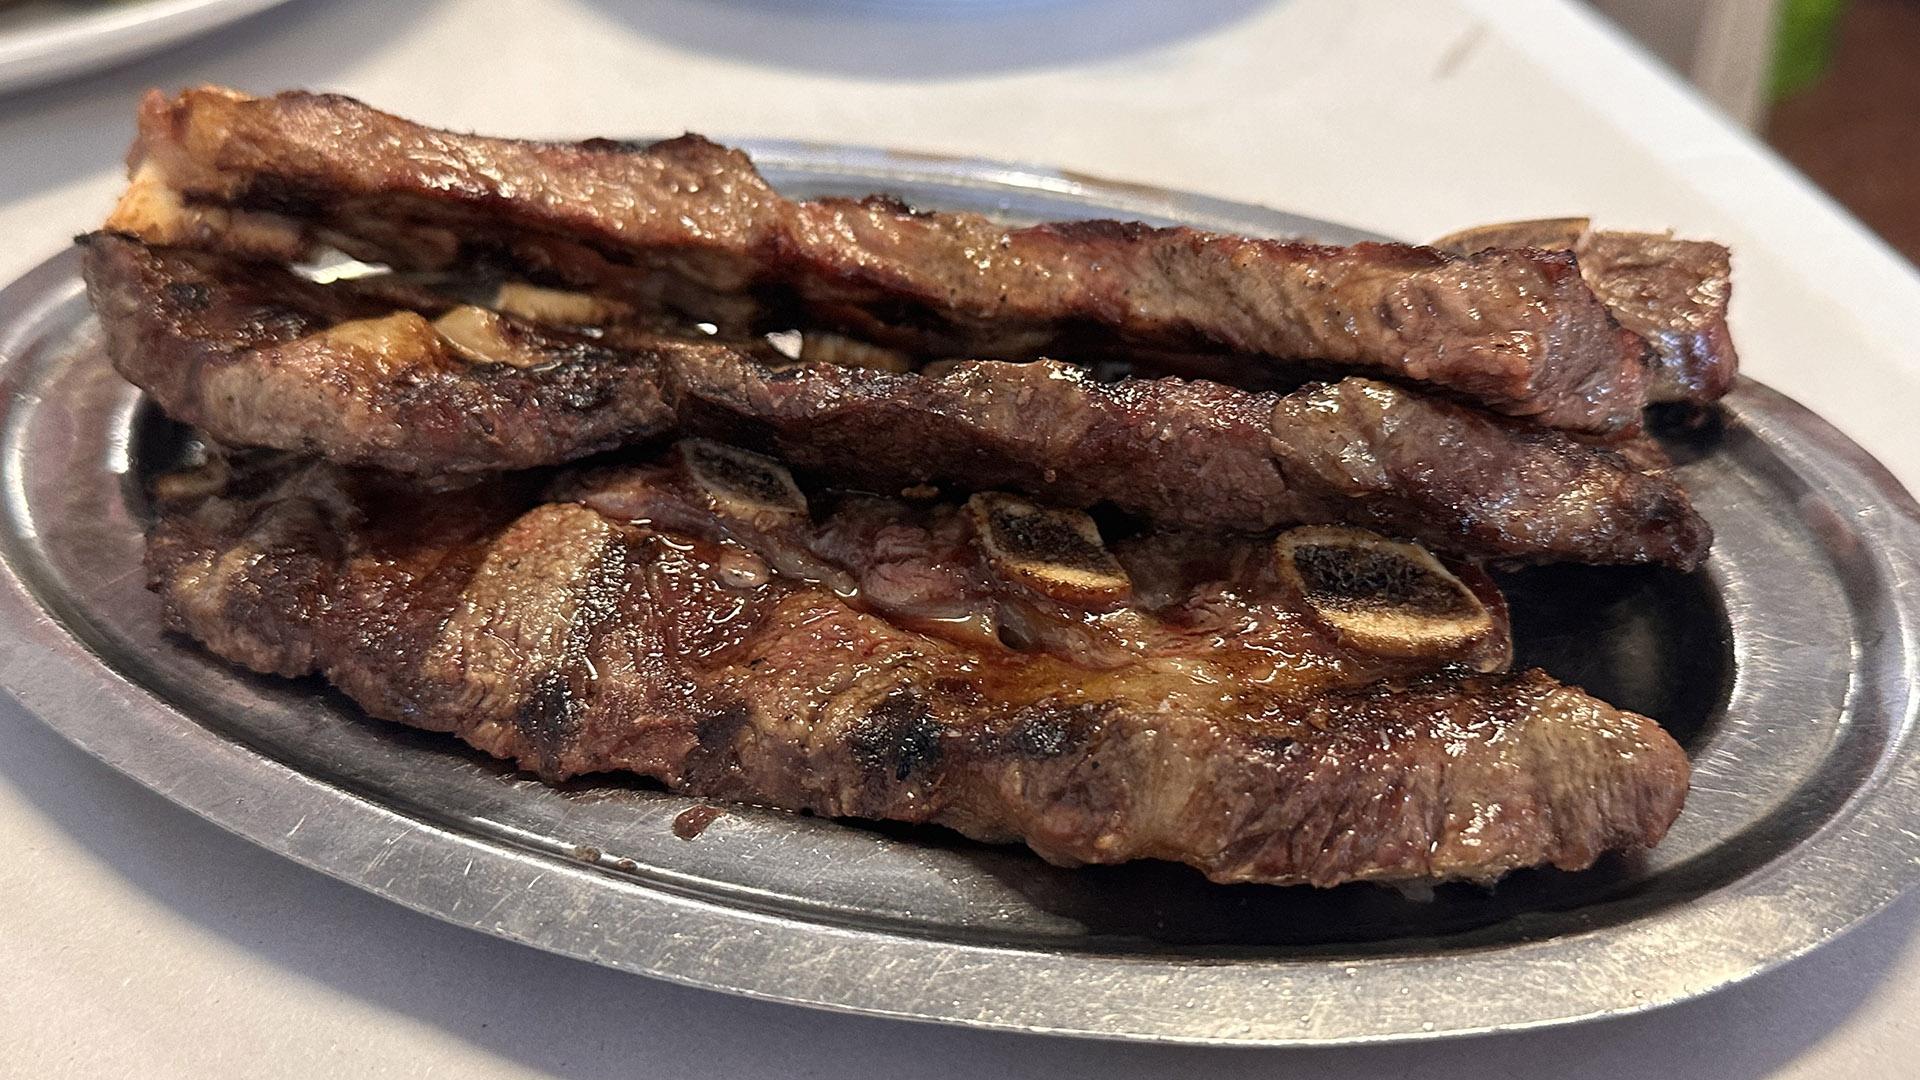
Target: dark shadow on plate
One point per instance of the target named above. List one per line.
(1688, 433)
(1644, 638)
(924, 41)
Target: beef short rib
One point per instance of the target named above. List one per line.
(692, 226)
(685, 622)
(1671, 292)
(380, 376)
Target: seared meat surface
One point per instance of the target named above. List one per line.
(1021, 580)
(693, 227)
(1672, 293)
(699, 623)
(376, 375)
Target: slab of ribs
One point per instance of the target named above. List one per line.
(1119, 542)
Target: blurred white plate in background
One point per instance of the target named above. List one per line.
(914, 8)
(41, 41)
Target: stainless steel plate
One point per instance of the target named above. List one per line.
(44, 40)
(1787, 667)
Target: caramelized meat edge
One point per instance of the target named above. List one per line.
(366, 375)
(692, 227)
(1673, 293)
(574, 639)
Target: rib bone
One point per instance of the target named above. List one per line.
(742, 485)
(1392, 598)
(1058, 552)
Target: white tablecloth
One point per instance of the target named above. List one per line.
(137, 940)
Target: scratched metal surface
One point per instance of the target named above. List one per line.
(1787, 667)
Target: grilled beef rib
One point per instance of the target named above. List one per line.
(1671, 292)
(258, 356)
(692, 226)
(691, 623)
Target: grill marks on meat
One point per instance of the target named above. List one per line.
(1672, 293)
(571, 641)
(1318, 705)
(257, 356)
(692, 226)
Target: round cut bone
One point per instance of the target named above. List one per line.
(742, 484)
(1053, 551)
(1384, 596)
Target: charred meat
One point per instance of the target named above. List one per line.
(1673, 293)
(692, 227)
(1222, 703)
(377, 375)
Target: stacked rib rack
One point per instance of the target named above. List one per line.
(626, 462)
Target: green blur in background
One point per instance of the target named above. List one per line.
(1804, 44)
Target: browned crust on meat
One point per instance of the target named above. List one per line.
(257, 356)
(1520, 487)
(692, 225)
(571, 643)
(1672, 293)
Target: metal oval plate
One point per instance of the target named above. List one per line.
(1787, 666)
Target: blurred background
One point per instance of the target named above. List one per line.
(1834, 85)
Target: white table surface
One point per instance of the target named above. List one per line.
(137, 940)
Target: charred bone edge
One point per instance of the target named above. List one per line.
(1516, 330)
(1433, 779)
(259, 357)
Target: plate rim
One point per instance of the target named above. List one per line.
(61, 47)
(708, 944)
